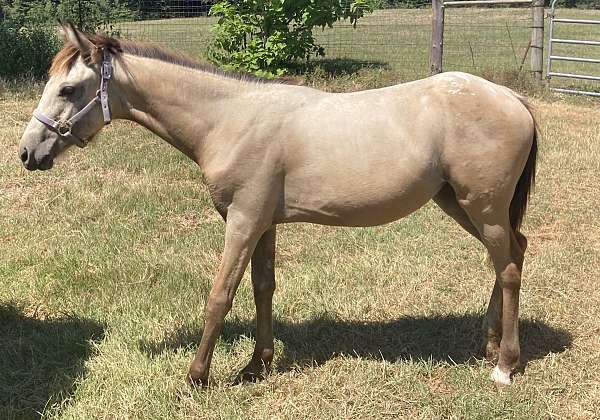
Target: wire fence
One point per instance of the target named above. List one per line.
(477, 40)
(487, 40)
(394, 38)
(480, 40)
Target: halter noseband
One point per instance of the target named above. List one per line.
(63, 127)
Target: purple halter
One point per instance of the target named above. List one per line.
(63, 127)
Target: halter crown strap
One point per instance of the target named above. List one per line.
(106, 73)
(63, 127)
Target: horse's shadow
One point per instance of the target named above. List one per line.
(455, 338)
(40, 359)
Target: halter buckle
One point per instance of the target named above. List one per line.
(106, 68)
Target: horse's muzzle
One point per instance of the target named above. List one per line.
(30, 162)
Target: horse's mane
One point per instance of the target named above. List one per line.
(66, 58)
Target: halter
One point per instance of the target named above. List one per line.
(64, 127)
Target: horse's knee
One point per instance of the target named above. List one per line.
(217, 306)
(510, 277)
(263, 279)
(264, 287)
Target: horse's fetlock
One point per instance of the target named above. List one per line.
(197, 375)
(509, 355)
(266, 355)
(492, 352)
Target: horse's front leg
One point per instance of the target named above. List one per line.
(263, 283)
(241, 236)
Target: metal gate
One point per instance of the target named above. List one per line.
(552, 58)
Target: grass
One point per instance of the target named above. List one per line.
(106, 262)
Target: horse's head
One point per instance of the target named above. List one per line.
(74, 105)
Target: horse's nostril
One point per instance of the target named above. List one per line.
(24, 155)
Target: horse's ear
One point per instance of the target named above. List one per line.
(78, 39)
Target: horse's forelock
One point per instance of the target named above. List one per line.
(66, 58)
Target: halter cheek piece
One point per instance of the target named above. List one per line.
(64, 127)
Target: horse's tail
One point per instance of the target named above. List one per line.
(518, 204)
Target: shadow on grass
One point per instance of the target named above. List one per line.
(334, 67)
(40, 359)
(456, 338)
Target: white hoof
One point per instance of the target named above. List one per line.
(499, 377)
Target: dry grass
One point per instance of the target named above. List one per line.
(106, 260)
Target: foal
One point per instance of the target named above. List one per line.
(273, 153)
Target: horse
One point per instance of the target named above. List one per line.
(274, 153)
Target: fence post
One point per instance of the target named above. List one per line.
(537, 39)
(437, 36)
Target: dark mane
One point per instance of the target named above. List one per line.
(64, 60)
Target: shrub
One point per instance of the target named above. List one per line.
(26, 52)
(28, 36)
(266, 36)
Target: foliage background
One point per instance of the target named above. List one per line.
(28, 38)
(266, 37)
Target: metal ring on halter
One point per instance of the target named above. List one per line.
(63, 127)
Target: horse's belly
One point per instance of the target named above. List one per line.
(357, 203)
(359, 172)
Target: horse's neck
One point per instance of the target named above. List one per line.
(179, 104)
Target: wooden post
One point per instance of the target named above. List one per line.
(437, 36)
(537, 39)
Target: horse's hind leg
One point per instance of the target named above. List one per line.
(263, 284)
(447, 201)
(506, 253)
(493, 316)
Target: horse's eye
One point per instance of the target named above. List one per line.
(67, 91)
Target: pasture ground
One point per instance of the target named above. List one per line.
(107, 259)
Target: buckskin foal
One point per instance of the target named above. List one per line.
(274, 153)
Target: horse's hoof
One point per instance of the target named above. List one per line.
(500, 378)
(196, 379)
(255, 371)
(251, 373)
(248, 377)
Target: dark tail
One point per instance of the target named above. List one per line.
(518, 204)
